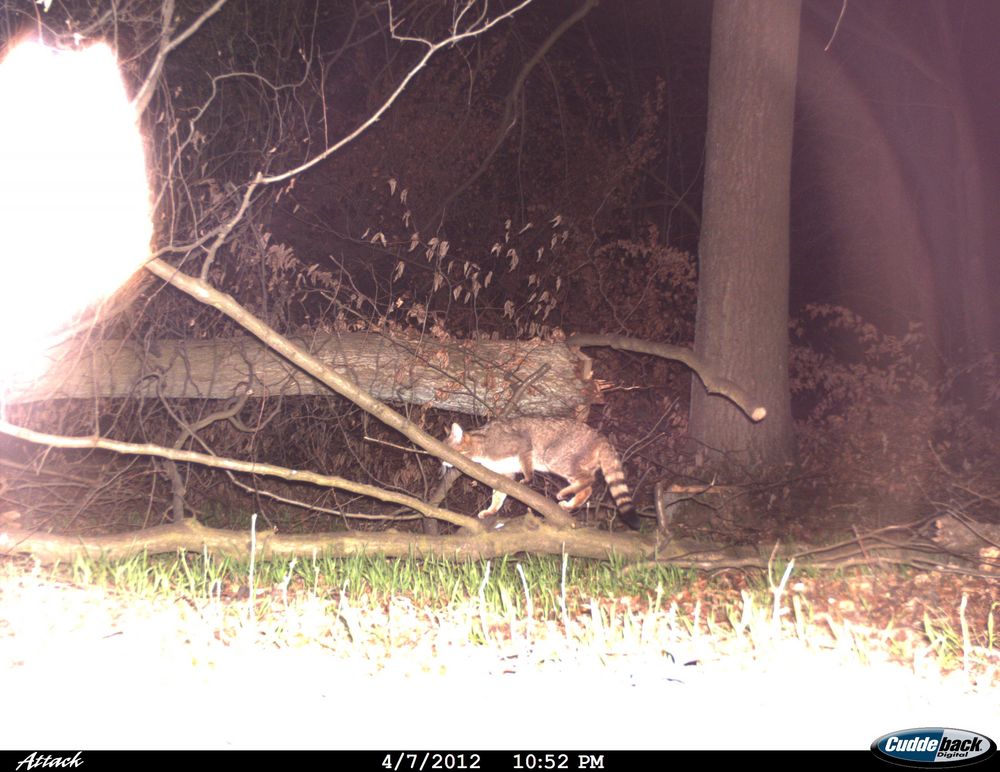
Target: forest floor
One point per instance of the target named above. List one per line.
(844, 661)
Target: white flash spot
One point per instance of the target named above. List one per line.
(74, 197)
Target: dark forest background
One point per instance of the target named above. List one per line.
(545, 179)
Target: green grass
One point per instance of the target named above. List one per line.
(506, 585)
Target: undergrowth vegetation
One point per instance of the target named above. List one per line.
(888, 430)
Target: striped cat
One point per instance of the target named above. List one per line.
(561, 446)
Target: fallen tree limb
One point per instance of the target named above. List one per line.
(477, 377)
(527, 534)
(714, 383)
(959, 532)
(523, 534)
(896, 545)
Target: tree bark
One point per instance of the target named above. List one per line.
(478, 377)
(742, 321)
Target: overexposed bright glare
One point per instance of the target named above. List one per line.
(74, 197)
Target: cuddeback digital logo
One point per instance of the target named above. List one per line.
(934, 747)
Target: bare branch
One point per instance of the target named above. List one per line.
(249, 467)
(432, 48)
(508, 120)
(714, 383)
(167, 45)
(526, 535)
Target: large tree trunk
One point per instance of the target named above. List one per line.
(742, 322)
(476, 377)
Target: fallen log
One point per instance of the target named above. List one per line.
(522, 534)
(526, 534)
(477, 377)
